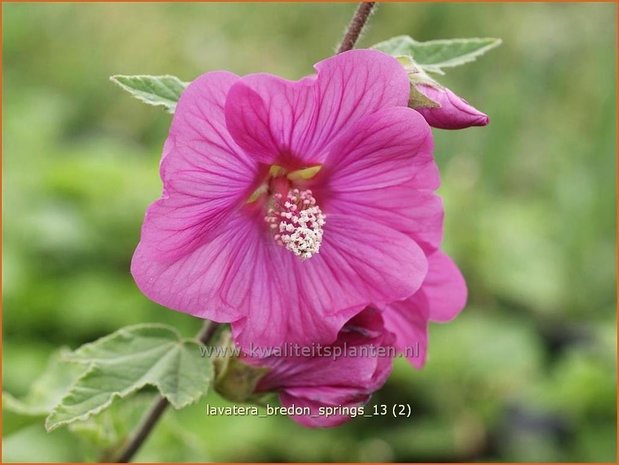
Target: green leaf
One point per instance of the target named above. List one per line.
(154, 90)
(106, 432)
(435, 55)
(129, 359)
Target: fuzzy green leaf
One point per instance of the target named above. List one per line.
(122, 363)
(435, 55)
(154, 90)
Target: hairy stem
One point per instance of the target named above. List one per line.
(160, 405)
(356, 25)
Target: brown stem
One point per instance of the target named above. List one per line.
(356, 26)
(141, 433)
(159, 407)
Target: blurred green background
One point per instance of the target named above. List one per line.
(526, 373)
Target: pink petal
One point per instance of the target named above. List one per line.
(454, 112)
(330, 395)
(272, 118)
(308, 302)
(418, 214)
(301, 372)
(380, 170)
(240, 270)
(340, 364)
(209, 281)
(355, 84)
(444, 287)
(441, 297)
(408, 320)
(316, 419)
(205, 174)
(276, 120)
(332, 379)
(387, 148)
(427, 177)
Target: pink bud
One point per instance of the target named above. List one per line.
(454, 112)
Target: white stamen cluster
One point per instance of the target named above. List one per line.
(296, 222)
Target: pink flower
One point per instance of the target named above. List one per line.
(453, 113)
(440, 298)
(288, 207)
(326, 384)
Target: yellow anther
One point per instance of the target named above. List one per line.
(262, 189)
(276, 170)
(304, 174)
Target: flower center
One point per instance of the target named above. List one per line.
(296, 222)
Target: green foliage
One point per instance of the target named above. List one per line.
(127, 360)
(154, 90)
(104, 433)
(435, 55)
(98, 437)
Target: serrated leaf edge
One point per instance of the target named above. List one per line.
(437, 69)
(468, 58)
(49, 426)
(69, 356)
(169, 106)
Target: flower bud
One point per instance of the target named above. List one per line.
(453, 112)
